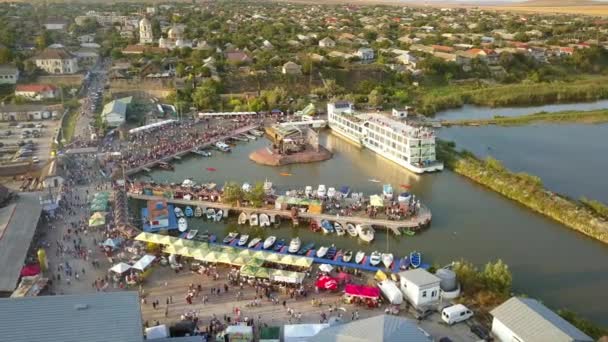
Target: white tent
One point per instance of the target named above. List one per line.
(120, 268)
(301, 332)
(110, 243)
(326, 268)
(391, 291)
(144, 262)
(156, 332)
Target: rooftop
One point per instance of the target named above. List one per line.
(113, 316)
(420, 277)
(35, 87)
(384, 327)
(50, 53)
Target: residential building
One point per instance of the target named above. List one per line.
(114, 113)
(9, 74)
(365, 54)
(327, 43)
(86, 38)
(55, 24)
(146, 36)
(237, 57)
(29, 112)
(382, 328)
(420, 287)
(57, 61)
(37, 92)
(291, 68)
(87, 57)
(527, 320)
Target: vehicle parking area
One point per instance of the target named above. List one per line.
(27, 141)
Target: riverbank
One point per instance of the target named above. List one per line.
(431, 101)
(264, 156)
(525, 189)
(588, 117)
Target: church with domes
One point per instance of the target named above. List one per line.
(146, 36)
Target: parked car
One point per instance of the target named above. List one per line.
(481, 332)
(423, 313)
(455, 314)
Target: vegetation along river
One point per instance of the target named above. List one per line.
(561, 267)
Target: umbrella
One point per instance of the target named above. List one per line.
(262, 272)
(240, 260)
(185, 251)
(326, 268)
(327, 283)
(120, 268)
(303, 262)
(249, 270)
(211, 257)
(226, 258)
(288, 260)
(273, 257)
(110, 243)
(97, 219)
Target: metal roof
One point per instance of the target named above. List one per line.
(374, 329)
(18, 222)
(532, 321)
(98, 317)
(420, 277)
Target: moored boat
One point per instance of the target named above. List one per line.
(254, 242)
(205, 236)
(294, 245)
(178, 212)
(405, 263)
(387, 191)
(366, 232)
(347, 256)
(387, 259)
(264, 220)
(188, 211)
(375, 258)
(269, 242)
(182, 224)
(219, 214)
(256, 132)
(210, 213)
(314, 226)
(331, 192)
(415, 259)
(322, 251)
(242, 218)
(191, 234)
(230, 237)
(165, 166)
(243, 240)
(308, 191)
(359, 257)
(321, 191)
(351, 230)
(327, 226)
(306, 248)
(339, 230)
(331, 252)
(253, 219)
(188, 183)
(198, 212)
(279, 244)
(222, 146)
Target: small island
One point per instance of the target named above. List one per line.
(291, 145)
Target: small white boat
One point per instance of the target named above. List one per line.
(178, 212)
(269, 242)
(222, 146)
(359, 257)
(347, 257)
(387, 259)
(243, 240)
(373, 180)
(339, 230)
(404, 197)
(198, 212)
(249, 136)
(188, 183)
(308, 191)
(253, 219)
(351, 230)
(331, 192)
(375, 258)
(322, 251)
(254, 242)
(219, 214)
(294, 245)
(246, 187)
(321, 191)
(182, 224)
(191, 234)
(264, 220)
(242, 218)
(230, 237)
(210, 213)
(366, 232)
(387, 191)
(256, 132)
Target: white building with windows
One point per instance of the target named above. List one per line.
(57, 61)
(365, 54)
(420, 287)
(145, 32)
(9, 74)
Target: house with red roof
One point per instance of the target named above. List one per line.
(37, 92)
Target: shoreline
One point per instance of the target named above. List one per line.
(583, 117)
(527, 190)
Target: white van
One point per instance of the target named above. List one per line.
(455, 313)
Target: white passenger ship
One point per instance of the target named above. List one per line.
(409, 146)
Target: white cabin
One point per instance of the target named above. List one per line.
(420, 287)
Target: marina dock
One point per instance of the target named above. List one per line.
(178, 155)
(422, 219)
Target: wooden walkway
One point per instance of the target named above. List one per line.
(177, 155)
(422, 219)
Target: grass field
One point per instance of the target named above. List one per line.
(593, 10)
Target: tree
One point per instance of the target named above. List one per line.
(375, 98)
(180, 69)
(467, 274)
(5, 55)
(257, 195)
(206, 95)
(232, 193)
(497, 278)
(274, 97)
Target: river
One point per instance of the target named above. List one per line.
(549, 261)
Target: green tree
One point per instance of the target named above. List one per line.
(497, 278)
(180, 69)
(375, 98)
(5, 55)
(206, 95)
(257, 195)
(232, 193)
(468, 275)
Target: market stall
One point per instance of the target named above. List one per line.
(144, 262)
(327, 283)
(360, 294)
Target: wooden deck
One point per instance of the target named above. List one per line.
(422, 219)
(178, 155)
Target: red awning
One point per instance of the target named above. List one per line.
(30, 270)
(327, 283)
(362, 291)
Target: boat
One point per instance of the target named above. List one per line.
(219, 214)
(294, 245)
(351, 230)
(308, 191)
(254, 242)
(326, 226)
(339, 230)
(331, 252)
(269, 242)
(306, 248)
(198, 212)
(253, 219)
(210, 213)
(230, 237)
(256, 132)
(387, 259)
(178, 212)
(331, 192)
(314, 226)
(409, 232)
(285, 174)
(415, 259)
(366, 232)
(191, 234)
(347, 256)
(359, 257)
(243, 240)
(203, 153)
(188, 183)
(375, 258)
(182, 224)
(240, 138)
(387, 191)
(222, 146)
(373, 180)
(321, 191)
(404, 197)
(279, 244)
(264, 220)
(165, 166)
(404, 264)
(242, 218)
(249, 136)
(322, 251)
(268, 190)
(212, 238)
(188, 211)
(205, 236)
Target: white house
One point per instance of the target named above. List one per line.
(365, 54)
(291, 68)
(114, 113)
(327, 43)
(57, 61)
(527, 320)
(420, 287)
(9, 74)
(36, 92)
(55, 24)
